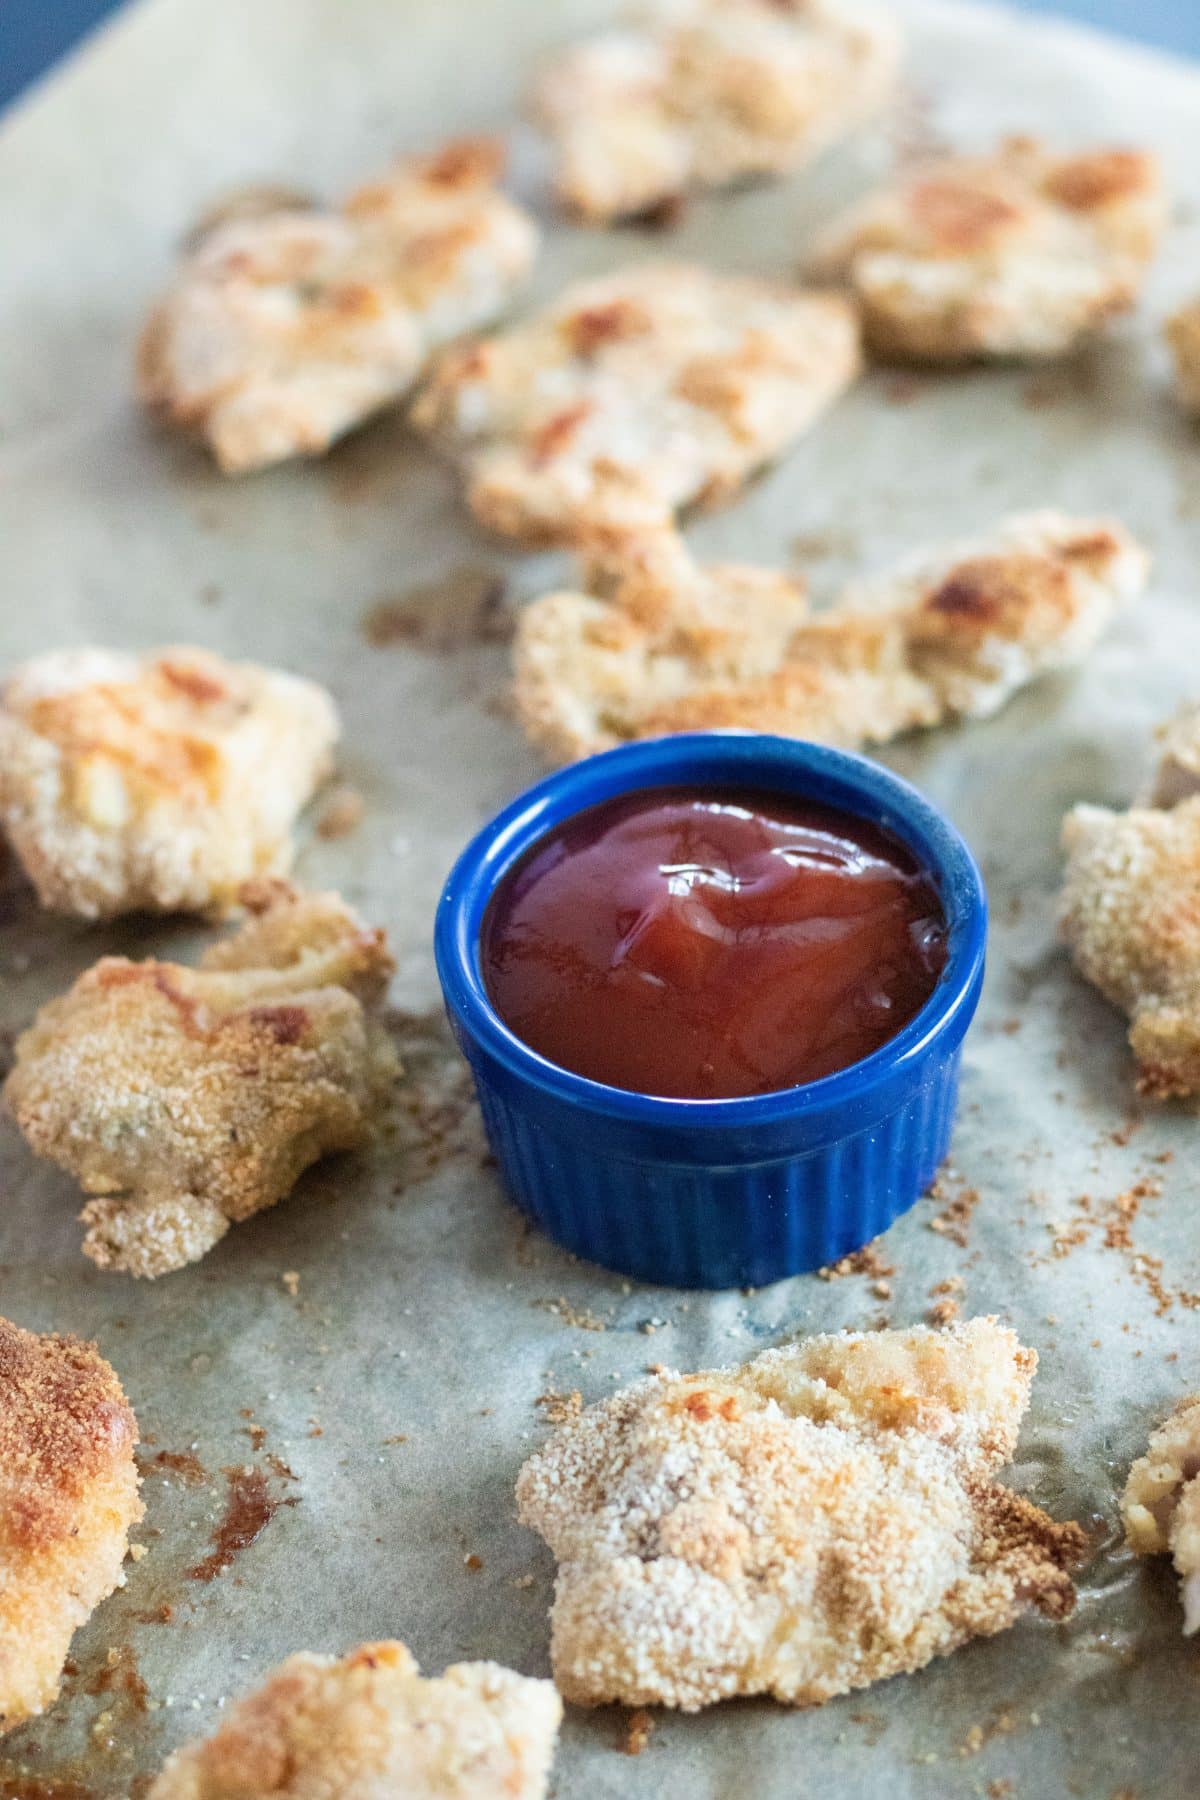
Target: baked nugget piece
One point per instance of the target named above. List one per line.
(189, 1099)
(1018, 254)
(157, 782)
(635, 395)
(1130, 912)
(68, 1497)
(370, 1728)
(951, 633)
(285, 328)
(1183, 335)
(811, 1522)
(1160, 1507)
(1177, 774)
(700, 93)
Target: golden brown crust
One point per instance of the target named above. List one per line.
(1183, 335)
(1130, 910)
(951, 633)
(1018, 254)
(188, 1099)
(68, 1497)
(370, 1728)
(635, 395)
(1160, 1507)
(818, 1519)
(287, 326)
(157, 782)
(707, 93)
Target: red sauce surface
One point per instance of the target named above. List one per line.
(705, 944)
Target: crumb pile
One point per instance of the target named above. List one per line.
(287, 326)
(156, 783)
(664, 645)
(819, 1519)
(369, 1726)
(68, 1497)
(188, 1099)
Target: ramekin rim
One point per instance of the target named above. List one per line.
(519, 824)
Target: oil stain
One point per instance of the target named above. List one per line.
(249, 1508)
(120, 1676)
(190, 1470)
(467, 606)
(15, 1785)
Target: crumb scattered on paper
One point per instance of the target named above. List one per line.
(341, 813)
(638, 1727)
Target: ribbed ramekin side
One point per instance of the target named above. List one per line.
(728, 1225)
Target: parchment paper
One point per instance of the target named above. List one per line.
(400, 1383)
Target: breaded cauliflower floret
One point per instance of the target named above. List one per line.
(635, 395)
(1130, 911)
(700, 93)
(157, 782)
(951, 633)
(1161, 1503)
(371, 1728)
(287, 327)
(1018, 254)
(68, 1497)
(1183, 335)
(192, 1098)
(816, 1520)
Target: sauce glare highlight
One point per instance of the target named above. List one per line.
(711, 944)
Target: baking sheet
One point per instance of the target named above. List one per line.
(398, 1387)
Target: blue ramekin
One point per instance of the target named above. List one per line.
(717, 1193)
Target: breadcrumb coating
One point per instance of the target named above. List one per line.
(68, 1497)
(1177, 773)
(1021, 253)
(816, 1520)
(1183, 335)
(635, 395)
(701, 93)
(1130, 911)
(371, 1728)
(157, 782)
(1161, 1503)
(286, 327)
(189, 1099)
(668, 646)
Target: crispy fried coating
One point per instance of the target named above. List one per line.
(371, 1728)
(1130, 911)
(1021, 253)
(668, 646)
(189, 1099)
(635, 395)
(1183, 335)
(1160, 1507)
(1177, 772)
(701, 93)
(814, 1521)
(68, 1497)
(157, 782)
(285, 327)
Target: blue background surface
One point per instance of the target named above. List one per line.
(35, 33)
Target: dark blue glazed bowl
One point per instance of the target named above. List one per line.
(717, 1193)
